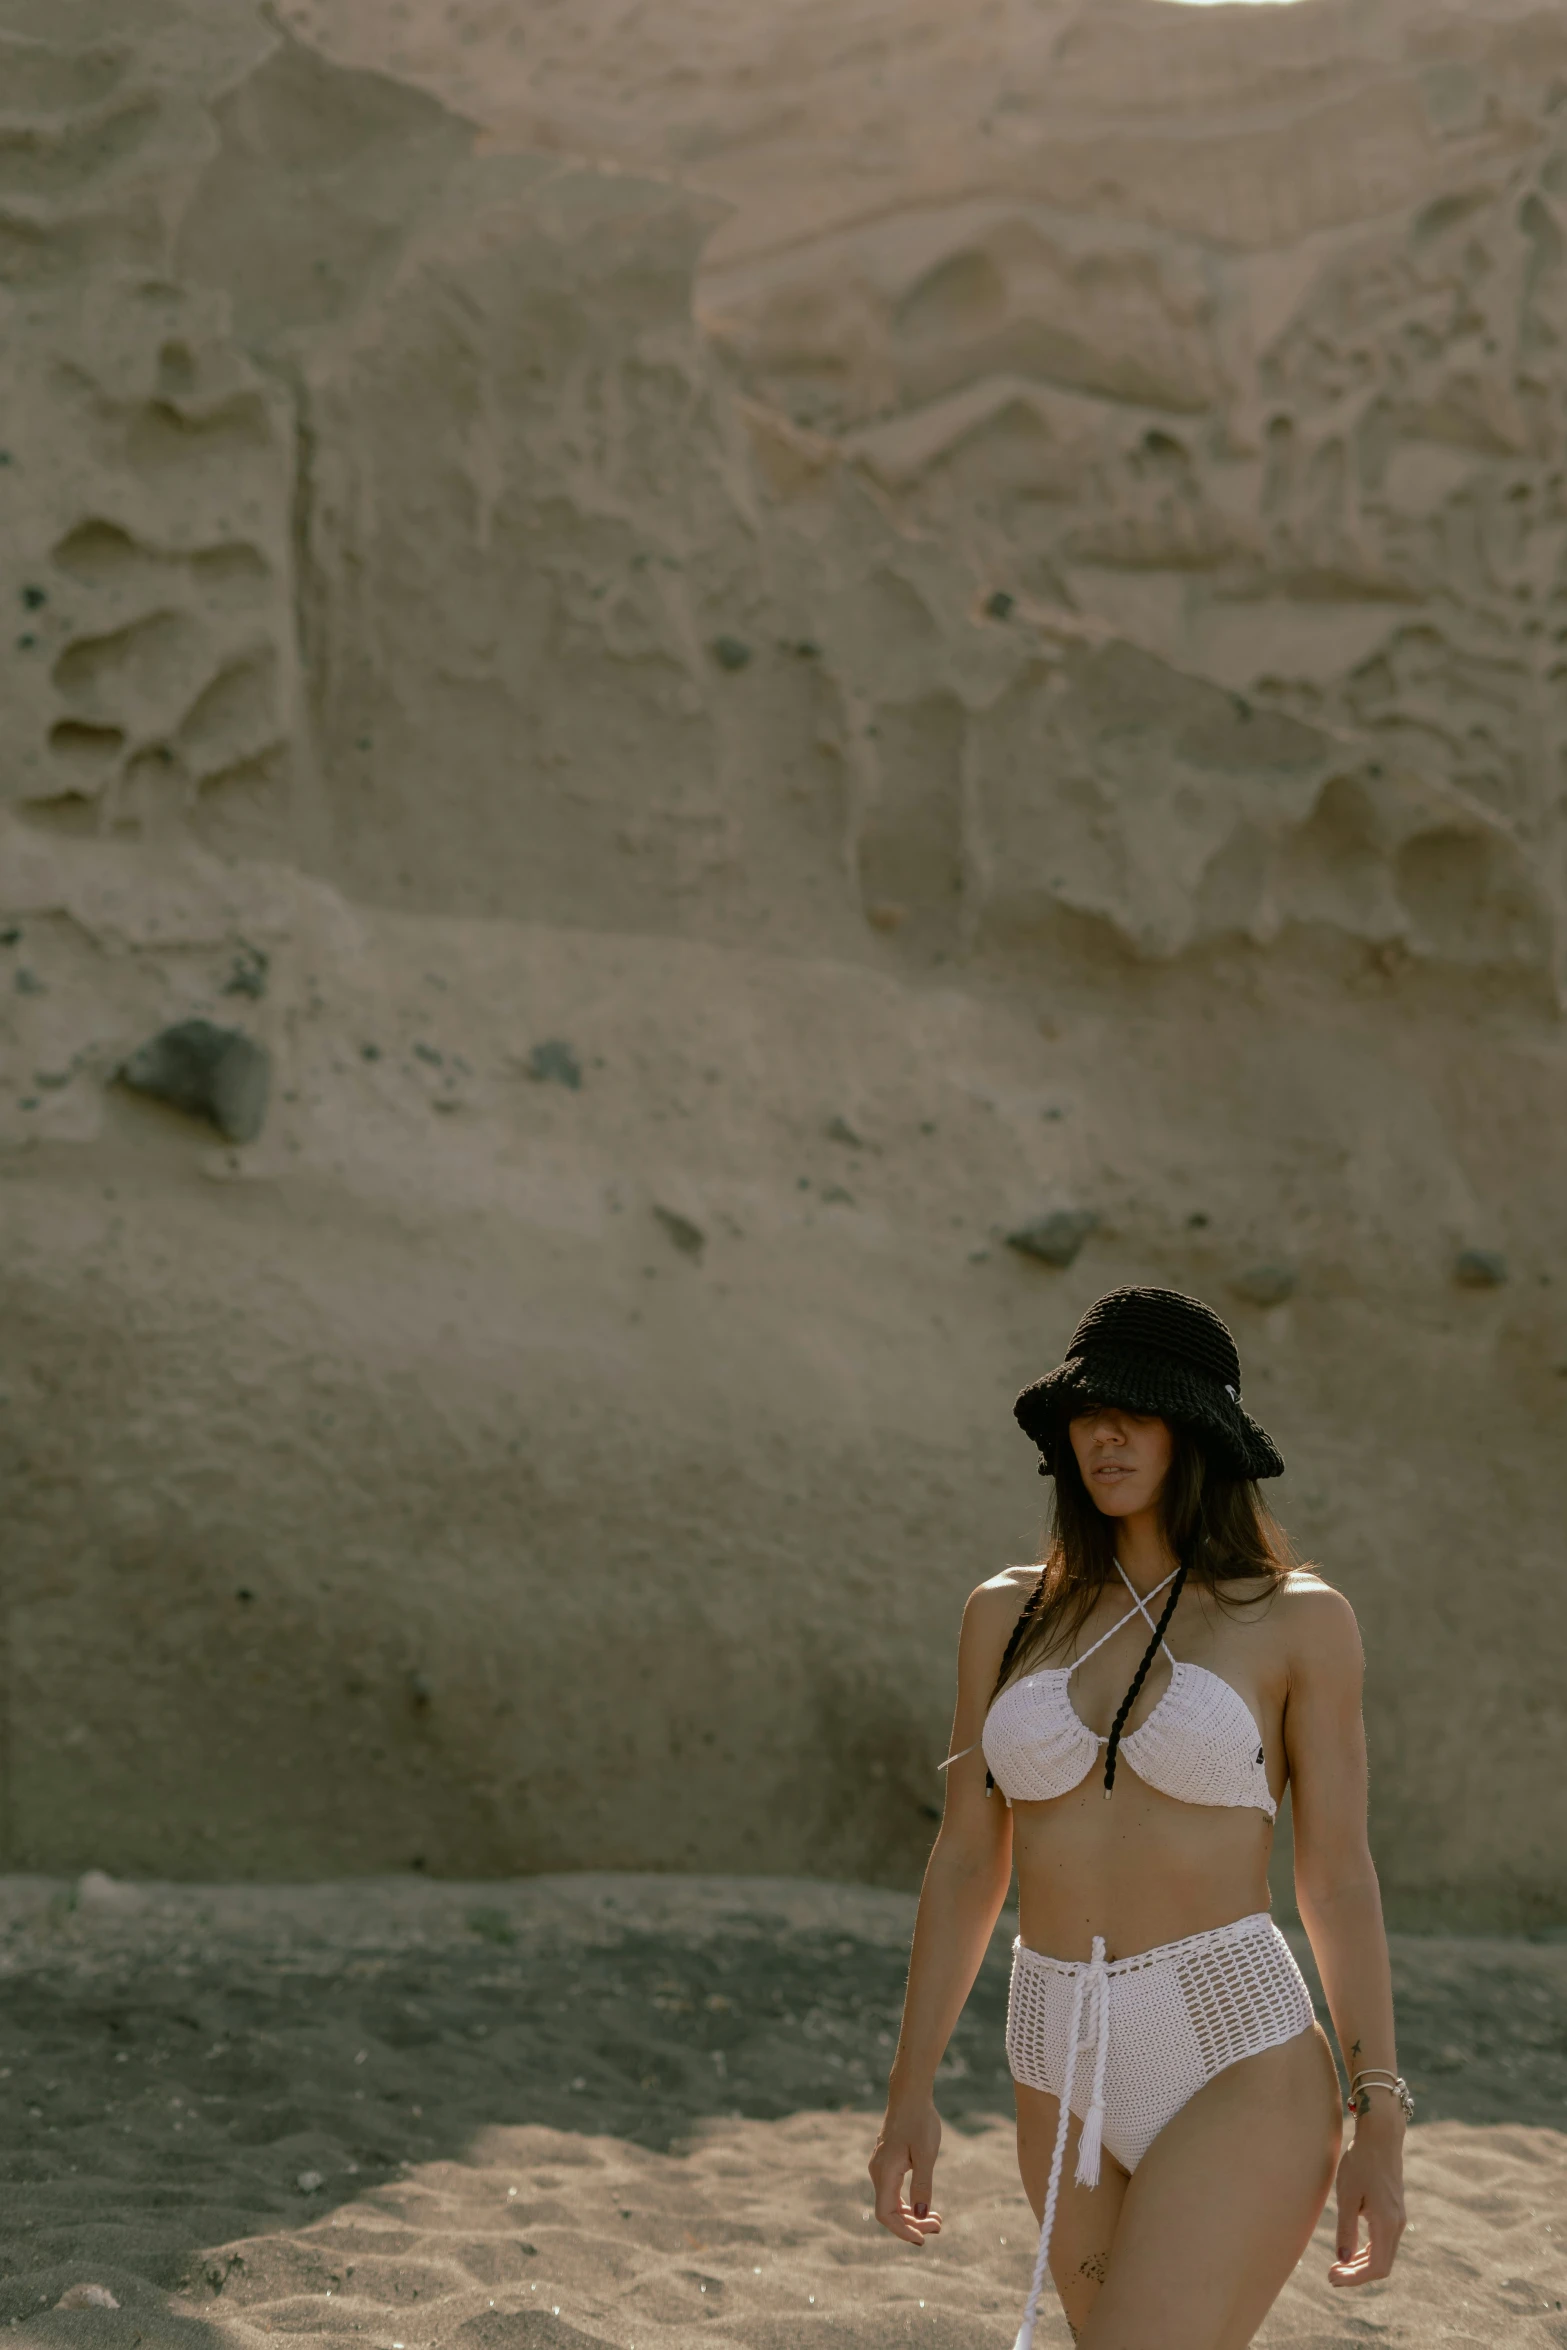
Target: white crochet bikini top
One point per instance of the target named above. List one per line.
(1200, 1744)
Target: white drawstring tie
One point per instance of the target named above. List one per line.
(1089, 2028)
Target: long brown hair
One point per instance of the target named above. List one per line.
(1219, 1530)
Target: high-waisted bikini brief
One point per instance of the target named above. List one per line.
(1172, 2019)
(1133, 2038)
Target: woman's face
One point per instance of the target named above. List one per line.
(1123, 1457)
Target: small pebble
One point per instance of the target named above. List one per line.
(1265, 1285)
(1055, 1239)
(689, 1238)
(248, 973)
(555, 1063)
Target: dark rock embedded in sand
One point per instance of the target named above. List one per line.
(1480, 1268)
(555, 1063)
(689, 1238)
(731, 652)
(248, 973)
(1054, 1239)
(209, 1072)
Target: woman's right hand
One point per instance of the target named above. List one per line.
(906, 2148)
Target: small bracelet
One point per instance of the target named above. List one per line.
(1394, 2083)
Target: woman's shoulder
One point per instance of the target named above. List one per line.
(993, 1607)
(989, 1618)
(1003, 1594)
(1318, 1618)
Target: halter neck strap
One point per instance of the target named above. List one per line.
(1142, 1604)
(1138, 1608)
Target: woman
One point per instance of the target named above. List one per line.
(1128, 1718)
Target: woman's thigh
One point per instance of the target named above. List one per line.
(1085, 2217)
(1221, 2207)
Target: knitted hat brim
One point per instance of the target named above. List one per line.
(1145, 1380)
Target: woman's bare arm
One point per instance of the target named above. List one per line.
(1341, 1910)
(965, 1885)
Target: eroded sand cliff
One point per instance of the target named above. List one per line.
(761, 646)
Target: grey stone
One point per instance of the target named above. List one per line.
(1480, 1268)
(839, 1130)
(555, 1063)
(689, 1238)
(1055, 1239)
(97, 1891)
(1000, 605)
(731, 652)
(1265, 1285)
(219, 1074)
(248, 973)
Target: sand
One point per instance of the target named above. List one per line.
(627, 2110)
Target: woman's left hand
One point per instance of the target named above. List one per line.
(1370, 2188)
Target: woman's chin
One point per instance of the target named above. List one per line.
(1116, 1501)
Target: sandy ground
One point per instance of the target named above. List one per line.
(625, 2110)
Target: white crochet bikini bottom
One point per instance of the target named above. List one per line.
(1133, 2038)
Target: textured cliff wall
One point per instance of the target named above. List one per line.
(757, 653)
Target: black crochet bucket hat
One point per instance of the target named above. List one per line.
(1155, 1351)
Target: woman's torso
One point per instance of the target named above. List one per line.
(1147, 1867)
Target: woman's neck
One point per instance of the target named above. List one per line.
(1143, 1552)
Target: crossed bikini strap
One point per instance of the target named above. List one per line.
(1143, 1603)
(1139, 1607)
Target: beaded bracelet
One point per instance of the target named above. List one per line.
(1374, 2077)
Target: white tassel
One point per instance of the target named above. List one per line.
(1088, 2146)
(1025, 2335)
(1092, 2137)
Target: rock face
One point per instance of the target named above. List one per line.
(753, 657)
